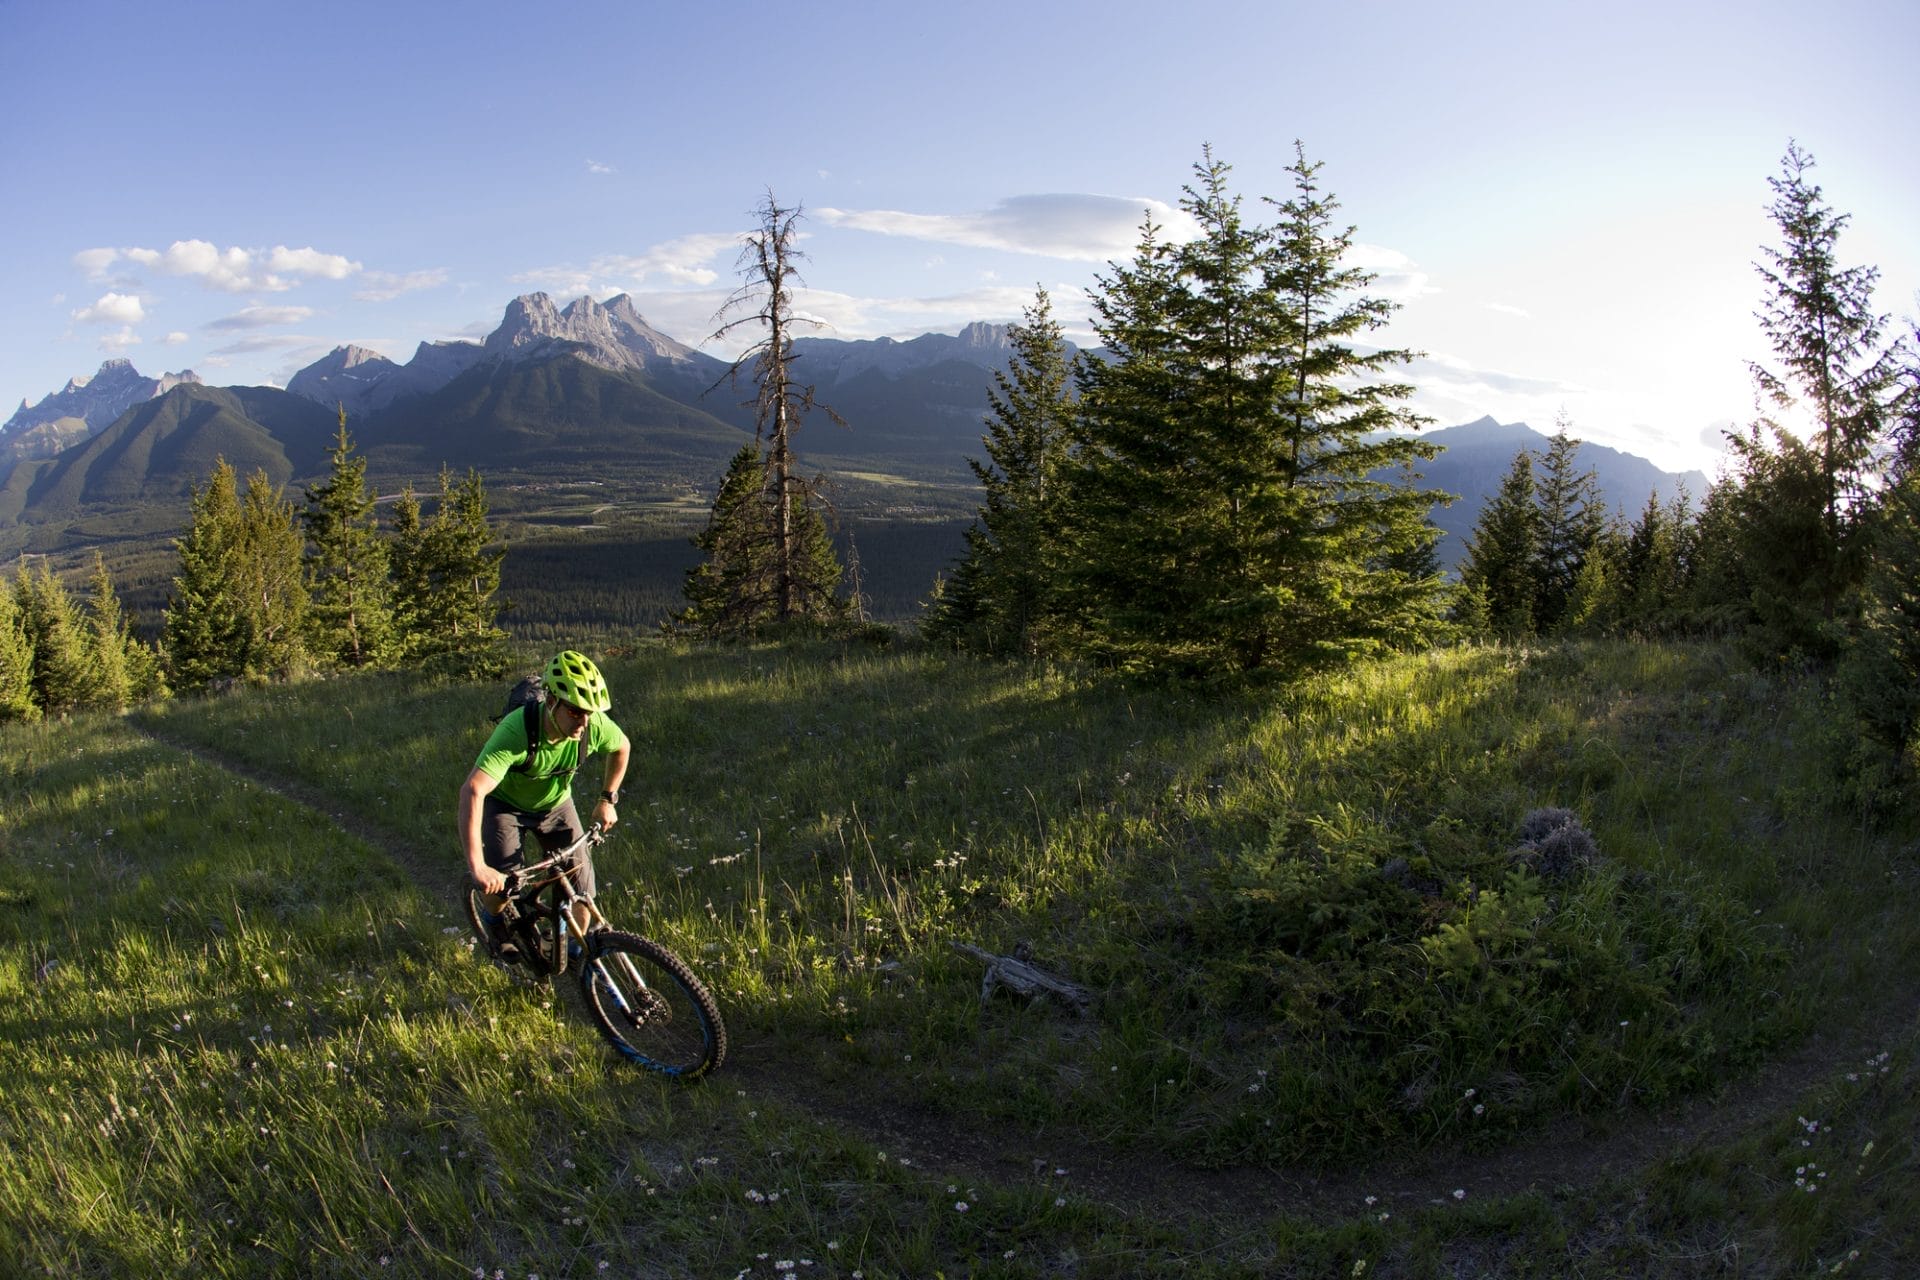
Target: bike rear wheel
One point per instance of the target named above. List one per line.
(650, 1006)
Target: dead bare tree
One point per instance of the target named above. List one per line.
(804, 583)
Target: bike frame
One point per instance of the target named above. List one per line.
(524, 886)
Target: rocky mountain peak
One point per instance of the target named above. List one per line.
(97, 399)
(530, 318)
(621, 309)
(981, 335)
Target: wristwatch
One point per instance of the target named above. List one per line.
(611, 797)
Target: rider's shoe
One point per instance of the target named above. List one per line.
(500, 945)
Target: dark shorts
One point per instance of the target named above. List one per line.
(503, 831)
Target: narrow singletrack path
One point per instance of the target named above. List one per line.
(1564, 1156)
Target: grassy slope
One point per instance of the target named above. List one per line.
(814, 830)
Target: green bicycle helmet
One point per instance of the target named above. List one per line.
(572, 678)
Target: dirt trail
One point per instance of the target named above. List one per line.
(1566, 1155)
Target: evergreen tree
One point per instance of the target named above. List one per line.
(1716, 595)
(60, 678)
(350, 622)
(1503, 553)
(1222, 504)
(205, 635)
(1826, 337)
(1880, 675)
(1792, 572)
(16, 661)
(406, 567)
(447, 575)
(806, 571)
(1409, 553)
(735, 592)
(1006, 594)
(1572, 520)
(1346, 424)
(1595, 605)
(108, 643)
(239, 600)
(1651, 569)
(271, 562)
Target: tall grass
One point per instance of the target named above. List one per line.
(251, 1043)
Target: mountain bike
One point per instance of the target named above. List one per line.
(647, 1002)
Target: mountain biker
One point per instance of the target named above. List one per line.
(513, 790)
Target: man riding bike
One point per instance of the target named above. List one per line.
(523, 781)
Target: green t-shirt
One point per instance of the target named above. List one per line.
(549, 774)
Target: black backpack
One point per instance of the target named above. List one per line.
(527, 698)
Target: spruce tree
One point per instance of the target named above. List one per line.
(1347, 427)
(735, 591)
(1651, 570)
(1793, 573)
(108, 643)
(732, 585)
(61, 681)
(1827, 341)
(1006, 595)
(239, 600)
(1223, 504)
(271, 561)
(1595, 605)
(1503, 553)
(406, 570)
(447, 580)
(350, 621)
(206, 629)
(1716, 592)
(1880, 674)
(1572, 520)
(16, 661)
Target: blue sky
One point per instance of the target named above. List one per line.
(1567, 199)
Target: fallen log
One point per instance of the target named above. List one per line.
(1025, 980)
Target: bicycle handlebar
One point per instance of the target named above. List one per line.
(595, 835)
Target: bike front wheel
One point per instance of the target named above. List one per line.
(650, 1006)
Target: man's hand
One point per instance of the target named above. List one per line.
(489, 880)
(606, 815)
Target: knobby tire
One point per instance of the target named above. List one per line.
(667, 1022)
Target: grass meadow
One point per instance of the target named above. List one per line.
(1345, 1021)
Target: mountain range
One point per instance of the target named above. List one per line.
(590, 391)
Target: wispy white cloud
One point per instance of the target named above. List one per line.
(119, 341)
(266, 342)
(1507, 309)
(310, 262)
(1396, 277)
(385, 286)
(95, 261)
(594, 166)
(688, 260)
(260, 318)
(1078, 227)
(174, 339)
(230, 270)
(1463, 377)
(113, 308)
